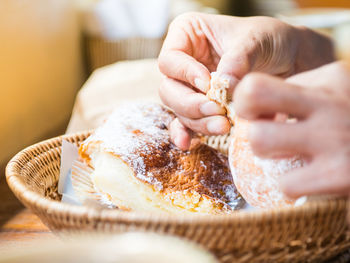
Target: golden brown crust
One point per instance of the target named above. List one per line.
(158, 162)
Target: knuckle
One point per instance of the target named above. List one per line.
(248, 95)
(185, 17)
(194, 125)
(273, 23)
(162, 62)
(188, 109)
(257, 139)
(185, 122)
(162, 91)
(187, 75)
(252, 87)
(181, 72)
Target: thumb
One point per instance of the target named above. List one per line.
(234, 65)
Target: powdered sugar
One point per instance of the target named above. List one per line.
(257, 179)
(118, 134)
(138, 134)
(281, 166)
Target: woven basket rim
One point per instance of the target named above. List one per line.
(26, 195)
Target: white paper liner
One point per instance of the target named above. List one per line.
(69, 154)
(84, 187)
(74, 183)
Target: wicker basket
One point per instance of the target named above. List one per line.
(101, 52)
(309, 233)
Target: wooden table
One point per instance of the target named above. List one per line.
(19, 227)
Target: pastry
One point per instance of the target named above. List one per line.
(137, 167)
(256, 179)
(219, 92)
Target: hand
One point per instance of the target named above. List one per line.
(198, 44)
(320, 100)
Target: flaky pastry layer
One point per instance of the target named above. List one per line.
(138, 167)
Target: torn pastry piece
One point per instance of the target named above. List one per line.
(137, 167)
(219, 92)
(256, 179)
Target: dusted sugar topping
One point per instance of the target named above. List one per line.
(138, 134)
(258, 179)
(255, 178)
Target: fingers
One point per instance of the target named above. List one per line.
(323, 176)
(214, 125)
(186, 102)
(233, 66)
(178, 58)
(337, 72)
(279, 140)
(180, 135)
(178, 65)
(236, 62)
(192, 109)
(259, 95)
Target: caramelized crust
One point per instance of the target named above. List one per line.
(138, 134)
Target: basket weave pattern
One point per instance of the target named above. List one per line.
(102, 52)
(310, 233)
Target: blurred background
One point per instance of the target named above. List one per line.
(49, 48)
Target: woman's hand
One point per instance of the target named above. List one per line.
(198, 44)
(320, 100)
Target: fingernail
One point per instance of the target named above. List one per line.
(177, 141)
(201, 85)
(233, 81)
(217, 126)
(211, 108)
(183, 145)
(287, 184)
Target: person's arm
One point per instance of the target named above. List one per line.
(320, 101)
(198, 44)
